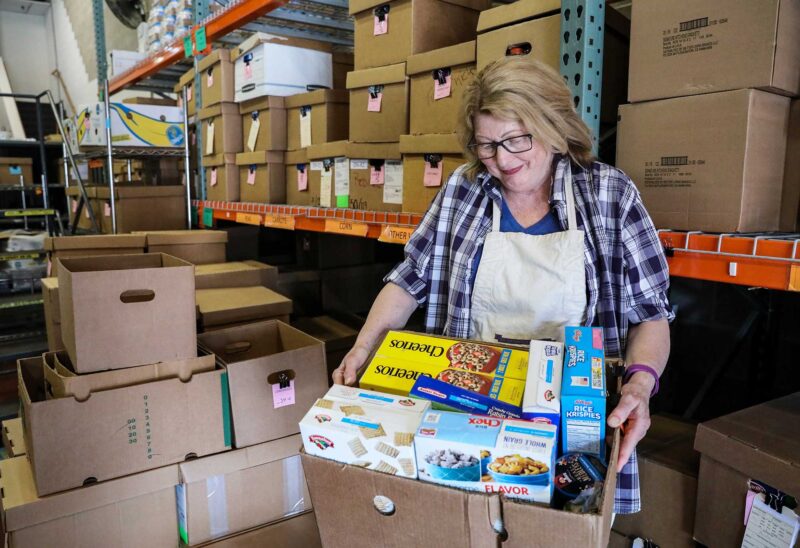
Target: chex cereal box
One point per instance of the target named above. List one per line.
(583, 392)
(445, 396)
(542, 399)
(476, 357)
(488, 454)
(364, 428)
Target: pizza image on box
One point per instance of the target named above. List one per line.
(475, 357)
(467, 380)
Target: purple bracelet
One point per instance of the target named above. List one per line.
(633, 368)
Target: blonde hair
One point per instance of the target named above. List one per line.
(520, 89)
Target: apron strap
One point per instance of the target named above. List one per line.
(495, 216)
(572, 218)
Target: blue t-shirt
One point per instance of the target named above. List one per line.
(547, 225)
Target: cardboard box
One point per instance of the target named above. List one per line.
(378, 104)
(120, 61)
(668, 468)
(131, 125)
(240, 304)
(137, 509)
(263, 124)
(342, 64)
(297, 179)
(13, 438)
(438, 80)
(235, 274)
(276, 65)
(759, 442)
(136, 206)
(790, 197)
(428, 161)
(690, 178)
(120, 431)
(222, 178)
(126, 310)
(376, 176)
(193, 246)
(187, 81)
(52, 314)
(63, 247)
(388, 32)
(216, 78)
(463, 518)
(260, 358)
(299, 530)
(618, 540)
(339, 337)
(215, 494)
(12, 169)
(222, 129)
(73, 195)
(328, 176)
(692, 47)
(317, 117)
(262, 177)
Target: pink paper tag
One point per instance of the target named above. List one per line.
(209, 79)
(180, 102)
(49, 268)
(194, 138)
(381, 27)
(281, 397)
(374, 104)
(106, 210)
(74, 206)
(440, 91)
(302, 179)
(748, 504)
(597, 338)
(86, 123)
(375, 175)
(248, 71)
(213, 176)
(433, 175)
(251, 176)
(189, 93)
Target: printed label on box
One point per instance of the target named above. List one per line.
(305, 127)
(359, 164)
(341, 174)
(326, 178)
(252, 136)
(393, 182)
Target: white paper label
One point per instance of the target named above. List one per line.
(305, 129)
(316, 165)
(209, 138)
(253, 135)
(393, 182)
(341, 173)
(359, 164)
(325, 188)
(766, 528)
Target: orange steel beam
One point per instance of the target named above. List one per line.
(226, 21)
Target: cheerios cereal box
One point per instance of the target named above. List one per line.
(512, 457)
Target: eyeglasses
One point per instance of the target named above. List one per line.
(514, 145)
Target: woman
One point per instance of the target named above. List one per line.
(532, 235)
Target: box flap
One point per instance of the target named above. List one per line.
(219, 159)
(446, 143)
(296, 157)
(327, 150)
(170, 237)
(357, 6)
(239, 459)
(220, 109)
(51, 284)
(263, 338)
(216, 56)
(110, 241)
(187, 77)
(141, 191)
(259, 157)
(23, 508)
(390, 74)
(460, 54)
(216, 268)
(120, 262)
(374, 151)
(262, 103)
(227, 305)
(318, 97)
(516, 13)
(262, 37)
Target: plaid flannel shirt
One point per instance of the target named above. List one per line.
(626, 271)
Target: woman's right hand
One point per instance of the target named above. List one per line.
(352, 362)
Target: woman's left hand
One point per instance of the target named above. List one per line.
(633, 411)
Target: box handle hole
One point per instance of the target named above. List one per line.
(523, 48)
(90, 480)
(238, 347)
(137, 296)
(384, 505)
(281, 378)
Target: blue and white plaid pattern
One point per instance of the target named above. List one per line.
(626, 271)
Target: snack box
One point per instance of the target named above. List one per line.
(583, 392)
(471, 356)
(398, 375)
(452, 398)
(364, 428)
(542, 399)
(512, 457)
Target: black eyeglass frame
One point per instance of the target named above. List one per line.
(495, 144)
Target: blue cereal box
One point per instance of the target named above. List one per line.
(583, 392)
(443, 395)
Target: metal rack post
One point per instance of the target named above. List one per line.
(110, 159)
(186, 163)
(43, 159)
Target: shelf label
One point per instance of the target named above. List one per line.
(19, 256)
(29, 212)
(200, 39)
(348, 228)
(396, 234)
(208, 216)
(187, 45)
(274, 220)
(794, 278)
(249, 218)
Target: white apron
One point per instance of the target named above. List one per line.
(530, 287)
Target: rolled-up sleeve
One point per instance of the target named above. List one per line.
(647, 273)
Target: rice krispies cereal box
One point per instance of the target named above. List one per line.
(542, 399)
(488, 454)
(364, 428)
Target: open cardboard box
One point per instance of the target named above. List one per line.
(193, 246)
(298, 530)
(63, 247)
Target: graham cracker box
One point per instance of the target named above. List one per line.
(13, 437)
(59, 247)
(194, 246)
(479, 453)
(329, 174)
(222, 129)
(262, 177)
(216, 78)
(222, 178)
(297, 171)
(378, 104)
(428, 162)
(276, 372)
(235, 274)
(316, 117)
(137, 510)
(263, 124)
(376, 176)
(367, 429)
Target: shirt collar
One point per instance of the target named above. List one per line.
(561, 162)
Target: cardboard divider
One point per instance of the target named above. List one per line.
(13, 437)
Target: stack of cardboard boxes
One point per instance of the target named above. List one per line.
(705, 137)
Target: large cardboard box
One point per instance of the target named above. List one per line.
(428, 161)
(216, 78)
(262, 177)
(376, 176)
(52, 314)
(300, 530)
(438, 80)
(120, 431)
(668, 468)
(328, 174)
(378, 104)
(710, 162)
(388, 32)
(13, 437)
(317, 117)
(133, 511)
(297, 179)
(187, 81)
(222, 129)
(143, 207)
(235, 274)
(463, 518)
(193, 246)
(63, 247)
(689, 47)
(126, 310)
(216, 494)
(14, 169)
(342, 64)
(790, 197)
(73, 196)
(230, 305)
(276, 373)
(761, 443)
(131, 125)
(222, 178)
(263, 124)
